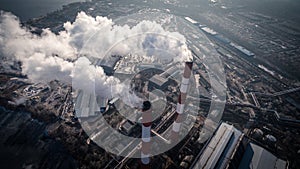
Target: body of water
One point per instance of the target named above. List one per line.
(27, 9)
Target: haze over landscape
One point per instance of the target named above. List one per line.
(74, 76)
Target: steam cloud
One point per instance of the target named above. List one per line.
(50, 56)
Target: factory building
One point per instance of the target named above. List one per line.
(220, 148)
(191, 20)
(168, 72)
(144, 66)
(158, 82)
(209, 31)
(230, 149)
(127, 126)
(257, 157)
(222, 39)
(163, 80)
(109, 64)
(242, 49)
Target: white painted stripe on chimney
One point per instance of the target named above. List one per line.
(176, 127)
(185, 80)
(145, 158)
(146, 133)
(179, 108)
(183, 88)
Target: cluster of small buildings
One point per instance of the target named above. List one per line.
(35, 89)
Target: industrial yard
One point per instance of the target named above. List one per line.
(259, 91)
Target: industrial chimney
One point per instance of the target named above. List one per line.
(181, 100)
(146, 135)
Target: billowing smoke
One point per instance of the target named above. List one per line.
(50, 56)
(40, 68)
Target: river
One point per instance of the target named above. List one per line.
(27, 9)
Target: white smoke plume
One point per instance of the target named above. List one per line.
(50, 56)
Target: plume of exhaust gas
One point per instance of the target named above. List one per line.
(51, 56)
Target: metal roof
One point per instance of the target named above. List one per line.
(257, 157)
(160, 81)
(220, 148)
(109, 62)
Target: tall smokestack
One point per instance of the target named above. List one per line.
(181, 100)
(146, 137)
